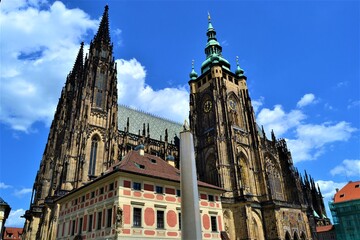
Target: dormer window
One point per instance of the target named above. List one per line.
(139, 165)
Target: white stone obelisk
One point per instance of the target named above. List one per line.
(190, 211)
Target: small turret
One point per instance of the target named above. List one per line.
(239, 71)
(273, 138)
(193, 75)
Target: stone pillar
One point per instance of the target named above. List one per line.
(190, 211)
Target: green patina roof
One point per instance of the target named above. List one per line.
(157, 124)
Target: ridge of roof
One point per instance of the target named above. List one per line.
(149, 114)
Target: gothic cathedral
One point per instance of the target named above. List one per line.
(265, 197)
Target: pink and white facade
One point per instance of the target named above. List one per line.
(140, 198)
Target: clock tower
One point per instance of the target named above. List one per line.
(262, 188)
(222, 119)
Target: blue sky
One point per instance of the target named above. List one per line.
(301, 59)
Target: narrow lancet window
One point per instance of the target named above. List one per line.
(100, 89)
(93, 155)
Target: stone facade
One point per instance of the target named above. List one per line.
(265, 196)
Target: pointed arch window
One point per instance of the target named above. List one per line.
(93, 154)
(100, 85)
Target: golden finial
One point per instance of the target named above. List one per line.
(209, 18)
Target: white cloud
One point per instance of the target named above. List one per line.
(349, 168)
(353, 104)
(171, 103)
(14, 219)
(4, 186)
(278, 120)
(20, 193)
(257, 103)
(328, 190)
(33, 71)
(311, 139)
(305, 141)
(307, 99)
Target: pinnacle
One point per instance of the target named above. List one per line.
(79, 63)
(103, 33)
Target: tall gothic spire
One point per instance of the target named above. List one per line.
(213, 50)
(79, 63)
(103, 33)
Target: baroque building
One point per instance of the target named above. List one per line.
(264, 195)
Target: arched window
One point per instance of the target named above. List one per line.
(93, 154)
(287, 236)
(243, 173)
(100, 86)
(296, 236)
(274, 178)
(211, 171)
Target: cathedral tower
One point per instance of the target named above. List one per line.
(262, 186)
(222, 119)
(82, 142)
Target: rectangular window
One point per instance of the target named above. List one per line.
(80, 226)
(90, 222)
(178, 192)
(101, 190)
(160, 219)
(111, 186)
(109, 217)
(211, 198)
(213, 224)
(136, 186)
(92, 194)
(73, 228)
(99, 220)
(137, 217)
(179, 215)
(159, 189)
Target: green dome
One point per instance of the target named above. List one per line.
(239, 71)
(212, 42)
(193, 75)
(213, 51)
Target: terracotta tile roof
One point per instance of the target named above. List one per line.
(325, 228)
(153, 166)
(15, 233)
(351, 191)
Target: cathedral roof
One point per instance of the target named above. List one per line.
(351, 191)
(137, 119)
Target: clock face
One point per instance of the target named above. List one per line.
(232, 104)
(207, 106)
